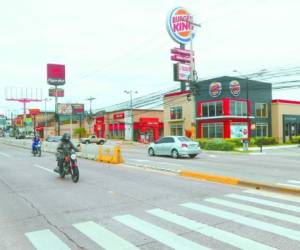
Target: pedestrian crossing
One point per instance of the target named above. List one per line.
(251, 210)
(290, 183)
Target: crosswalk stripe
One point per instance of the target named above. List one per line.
(293, 181)
(227, 237)
(284, 197)
(265, 202)
(288, 185)
(286, 232)
(46, 240)
(255, 210)
(103, 237)
(162, 235)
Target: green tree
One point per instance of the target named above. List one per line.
(80, 132)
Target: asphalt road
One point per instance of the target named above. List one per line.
(280, 166)
(122, 207)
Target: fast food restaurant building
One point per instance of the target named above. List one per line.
(231, 107)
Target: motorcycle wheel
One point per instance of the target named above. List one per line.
(75, 175)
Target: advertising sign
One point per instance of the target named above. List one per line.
(180, 58)
(78, 108)
(34, 111)
(239, 131)
(119, 116)
(56, 92)
(183, 52)
(215, 89)
(56, 74)
(235, 88)
(28, 122)
(64, 108)
(178, 25)
(184, 72)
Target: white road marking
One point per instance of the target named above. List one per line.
(288, 185)
(4, 154)
(256, 210)
(43, 168)
(285, 197)
(103, 237)
(218, 234)
(212, 156)
(162, 235)
(46, 240)
(258, 224)
(265, 202)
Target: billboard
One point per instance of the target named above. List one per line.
(182, 72)
(56, 92)
(56, 74)
(77, 108)
(70, 108)
(34, 111)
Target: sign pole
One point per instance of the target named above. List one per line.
(182, 83)
(56, 115)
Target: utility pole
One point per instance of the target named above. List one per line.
(90, 118)
(131, 111)
(46, 114)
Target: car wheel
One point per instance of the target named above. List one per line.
(151, 152)
(175, 153)
(101, 142)
(193, 155)
(87, 142)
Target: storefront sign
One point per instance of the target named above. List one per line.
(180, 58)
(183, 52)
(183, 72)
(56, 74)
(215, 89)
(235, 88)
(239, 131)
(56, 92)
(118, 116)
(178, 25)
(34, 111)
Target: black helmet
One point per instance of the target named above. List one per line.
(66, 137)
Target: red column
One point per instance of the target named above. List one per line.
(199, 135)
(227, 129)
(226, 106)
(199, 109)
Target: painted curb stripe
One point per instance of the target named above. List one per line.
(265, 202)
(103, 237)
(162, 235)
(255, 210)
(46, 240)
(284, 197)
(264, 226)
(218, 234)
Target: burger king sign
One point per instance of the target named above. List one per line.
(178, 25)
(235, 87)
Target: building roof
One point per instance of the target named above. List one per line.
(224, 78)
(183, 92)
(285, 101)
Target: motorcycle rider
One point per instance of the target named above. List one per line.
(64, 148)
(35, 142)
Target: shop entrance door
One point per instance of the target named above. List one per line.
(290, 130)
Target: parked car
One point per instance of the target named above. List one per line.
(174, 146)
(53, 138)
(92, 139)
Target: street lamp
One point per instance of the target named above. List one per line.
(131, 111)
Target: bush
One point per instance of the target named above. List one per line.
(265, 141)
(236, 141)
(216, 144)
(80, 132)
(295, 139)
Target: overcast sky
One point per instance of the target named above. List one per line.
(117, 45)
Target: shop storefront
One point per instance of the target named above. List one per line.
(230, 107)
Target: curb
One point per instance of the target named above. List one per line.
(238, 182)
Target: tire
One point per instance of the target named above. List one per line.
(75, 175)
(87, 142)
(151, 152)
(101, 142)
(192, 156)
(174, 154)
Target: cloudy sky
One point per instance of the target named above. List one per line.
(117, 45)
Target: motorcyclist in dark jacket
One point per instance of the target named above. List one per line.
(64, 148)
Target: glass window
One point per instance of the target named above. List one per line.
(212, 130)
(261, 129)
(175, 113)
(176, 130)
(204, 109)
(169, 140)
(212, 109)
(184, 139)
(219, 109)
(238, 108)
(261, 110)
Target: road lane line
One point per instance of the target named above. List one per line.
(268, 227)
(218, 234)
(285, 197)
(4, 154)
(103, 237)
(288, 185)
(43, 168)
(255, 210)
(162, 235)
(46, 240)
(265, 202)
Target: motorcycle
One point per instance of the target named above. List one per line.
(37, 149)
(70, 166)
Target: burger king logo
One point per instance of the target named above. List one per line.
(215, 89)
(235, 88)
(178, 25)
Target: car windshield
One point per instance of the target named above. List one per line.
(184, 139)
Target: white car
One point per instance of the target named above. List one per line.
(174, 146)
